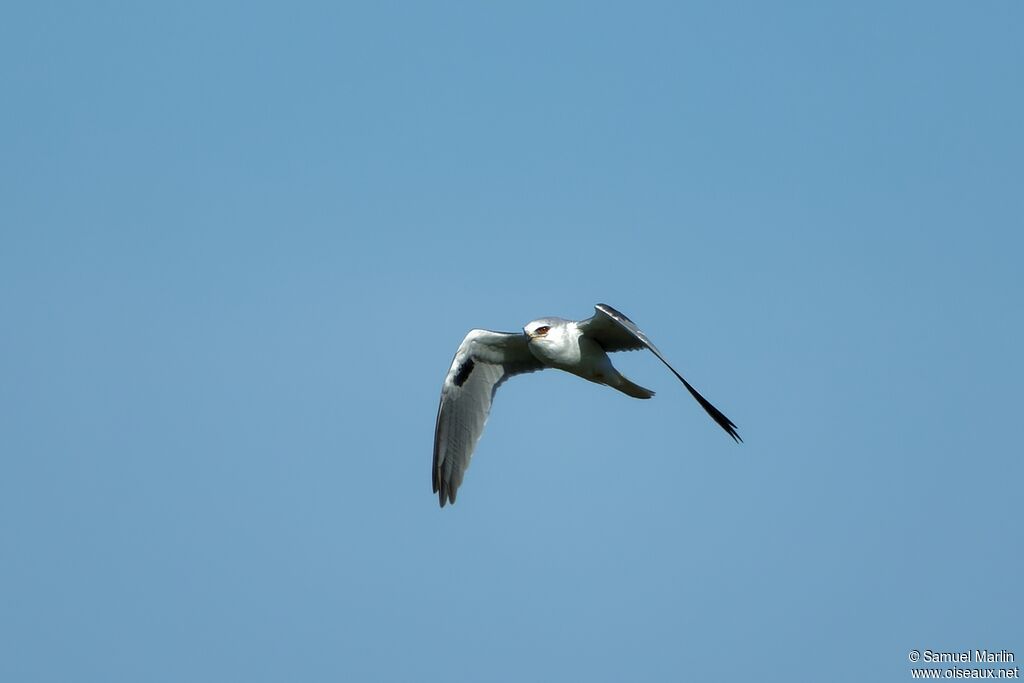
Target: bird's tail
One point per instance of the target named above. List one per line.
(630, 389)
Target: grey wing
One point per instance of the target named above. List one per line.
(615, 332)
(484, 360)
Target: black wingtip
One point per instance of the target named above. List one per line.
(441, 489)
(631, 327)
(716, 414)
(726, 424)
(444, 492)
(732, 432)
(439, 486)
(723, 422)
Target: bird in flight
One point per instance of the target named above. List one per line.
(485, 359)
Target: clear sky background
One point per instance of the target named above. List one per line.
(239, 244)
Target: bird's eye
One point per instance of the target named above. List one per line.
(542, 330)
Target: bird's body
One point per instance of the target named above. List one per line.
(565, 347)
(485, 359)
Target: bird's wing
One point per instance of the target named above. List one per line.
(615, 332)
(484, 360)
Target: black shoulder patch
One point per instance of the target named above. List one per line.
(463, 374)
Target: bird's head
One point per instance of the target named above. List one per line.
(543, 330)
(536, 329)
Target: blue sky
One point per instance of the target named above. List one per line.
(239, 244)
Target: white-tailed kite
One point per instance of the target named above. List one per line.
(485, 359)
